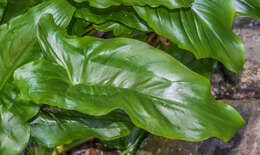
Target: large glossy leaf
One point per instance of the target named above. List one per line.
(96, 76)
(204, 67)
(3, 4)
(124, 15)
(15, 8)
(14, 132)
(249, 8)
(204, 29)
(63, 127)
(154, 3)
(18, 39)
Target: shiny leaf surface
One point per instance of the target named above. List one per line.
(154, 3)
(204, 67)
(14, 132)
(63, 127)
(250, 8)
(18, 38)
(123, 15)
(204, 29)
(96, 76)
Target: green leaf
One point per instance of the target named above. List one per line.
(3, 4)
(77, 27)
(96, 76)
(10, 99)
(129, 143)
(172, 4)
(205, 29)
(117, 28)
(204, 67)
(250, 8)
(123, 15)
(36, 149)
(63, 127)
(18, 7)
(18, 38)
(14, 131)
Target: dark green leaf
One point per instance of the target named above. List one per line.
(129, 143)
(124, 15)
(78, 27)
(63, 127)
(172, 4)
(250, 8)
(14, 132)
(204, 29)
(117, 28)
(96, 76)
(138, 35)
(204, 67)
(18, 38)
(3, 4)
(18, 7)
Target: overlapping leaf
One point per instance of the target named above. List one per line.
(204, 29)
(18, 38)
(204, 67)
(250, 8)
(14, 132)
(166, 3)
(129, 143)
(64, 127)
(123, 15)
(96, 76)
(78, 27)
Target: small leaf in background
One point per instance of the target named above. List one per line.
(126, 16)
(117, 28)
(95, 76)
(172, 4)
(203, 29)
(18, 43)
(204, 67)
(61, 127)
(128, 144)
(250, 8)
(36, 149)
(77, 27)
